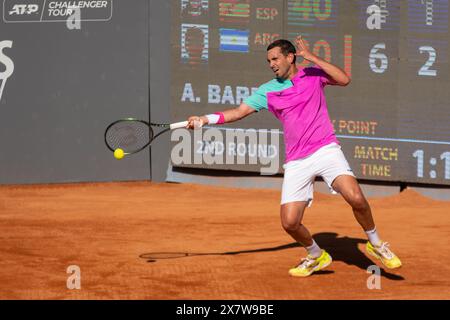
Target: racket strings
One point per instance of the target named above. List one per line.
(130, 136)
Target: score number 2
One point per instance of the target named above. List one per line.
(425, 70)
(378, 61)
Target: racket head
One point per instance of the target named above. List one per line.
(131, 135)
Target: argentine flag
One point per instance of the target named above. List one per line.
(234, 40)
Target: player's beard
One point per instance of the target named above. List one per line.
(282, 73)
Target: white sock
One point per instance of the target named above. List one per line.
(314, 250)
(373, 237)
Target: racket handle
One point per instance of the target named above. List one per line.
(177, 125)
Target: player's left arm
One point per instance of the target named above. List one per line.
(336, 74)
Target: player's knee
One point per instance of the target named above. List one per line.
(359, 202)
(291, 217)
(290, 225)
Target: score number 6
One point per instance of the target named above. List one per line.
(375, 56)
(381, 67)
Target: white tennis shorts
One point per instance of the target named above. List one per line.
(328, 162)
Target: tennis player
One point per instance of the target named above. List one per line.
(296, 97)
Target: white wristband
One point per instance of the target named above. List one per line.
(213, 118)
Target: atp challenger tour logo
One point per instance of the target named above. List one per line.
(24, 9)
(55, 11)
(7, 63)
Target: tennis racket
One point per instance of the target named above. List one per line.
(132, 135)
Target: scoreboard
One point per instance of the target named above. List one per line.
(393, 120)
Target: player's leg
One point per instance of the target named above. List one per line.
(350, 190)
(297, 194)
(291, 219)
(291, 215)
(337, 173)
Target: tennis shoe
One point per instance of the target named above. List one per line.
(383, 253)
(309, 265)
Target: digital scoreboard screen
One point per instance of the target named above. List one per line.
(393, 120)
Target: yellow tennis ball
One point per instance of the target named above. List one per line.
(118, 154)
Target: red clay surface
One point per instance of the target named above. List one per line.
(112, 230)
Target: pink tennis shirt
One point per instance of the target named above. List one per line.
(301, 107)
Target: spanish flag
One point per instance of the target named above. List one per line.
(234, 10)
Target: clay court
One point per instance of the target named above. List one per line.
(113, 232)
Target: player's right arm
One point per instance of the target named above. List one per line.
(227, 116)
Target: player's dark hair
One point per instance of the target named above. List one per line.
(286, 47)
